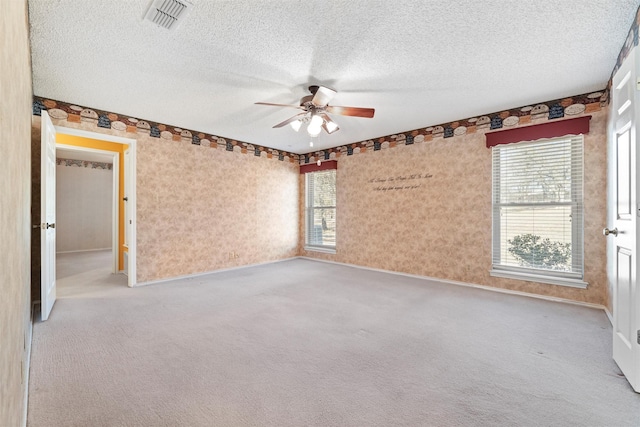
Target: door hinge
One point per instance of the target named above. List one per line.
(638, 83)
(638, 336)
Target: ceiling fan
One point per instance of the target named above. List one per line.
(315, 108)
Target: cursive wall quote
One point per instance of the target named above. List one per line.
(400, 182)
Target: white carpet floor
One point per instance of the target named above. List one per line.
(305, 343)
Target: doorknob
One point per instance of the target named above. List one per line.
(46, 225)
(606, 231)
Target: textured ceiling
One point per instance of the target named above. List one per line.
(418, 63)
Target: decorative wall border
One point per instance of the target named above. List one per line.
(630, 42)
(529, 114)
(84, 164)
(59, 110)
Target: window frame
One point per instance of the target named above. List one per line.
(554, 277)
(310, 210)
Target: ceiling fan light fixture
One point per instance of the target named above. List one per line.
(315, 126)
(313, 132)
(316, 120)
(331, 126)
(296, 125)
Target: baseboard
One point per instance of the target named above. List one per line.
(27, 368)
(469, 285)
(206, 273)
(609, 315)
(83, 250)
(415, 276)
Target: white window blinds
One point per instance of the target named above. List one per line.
(538, 207)
(321, 209)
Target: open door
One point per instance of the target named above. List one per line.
(48, 216)
(622, 219)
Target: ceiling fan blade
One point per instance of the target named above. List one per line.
(351, 111)
(329, 125)
(279, 105)
(292, 119)
(323, 96)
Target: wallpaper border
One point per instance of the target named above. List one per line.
(83, 164)
(630, 42)
(60, 110)
(572, 106)
(515, 117)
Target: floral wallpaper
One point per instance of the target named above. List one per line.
(202, 211)
(425, 209)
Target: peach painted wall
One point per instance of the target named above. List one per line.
(196, 204)
(440, 226)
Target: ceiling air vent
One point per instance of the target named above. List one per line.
(167, 13)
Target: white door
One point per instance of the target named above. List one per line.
(622, 218)
(48, 216)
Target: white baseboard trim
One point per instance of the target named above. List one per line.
(27, 368)
(468, 285)
(83, 250)
(609, 315)
(415, 276)
(206, 273)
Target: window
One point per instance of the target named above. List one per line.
(538, 211)
(321, 210)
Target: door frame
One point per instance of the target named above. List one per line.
(115, 159)
(130, 190)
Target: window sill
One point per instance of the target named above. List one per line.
(323, 249)
(530, 277)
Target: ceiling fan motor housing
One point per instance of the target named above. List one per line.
(305, 101)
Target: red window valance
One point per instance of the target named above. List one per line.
(324, 165)
(576, 126)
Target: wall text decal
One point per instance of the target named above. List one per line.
(399, 182)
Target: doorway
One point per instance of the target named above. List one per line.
(86, 201)
(119, 153)
(87, 217)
